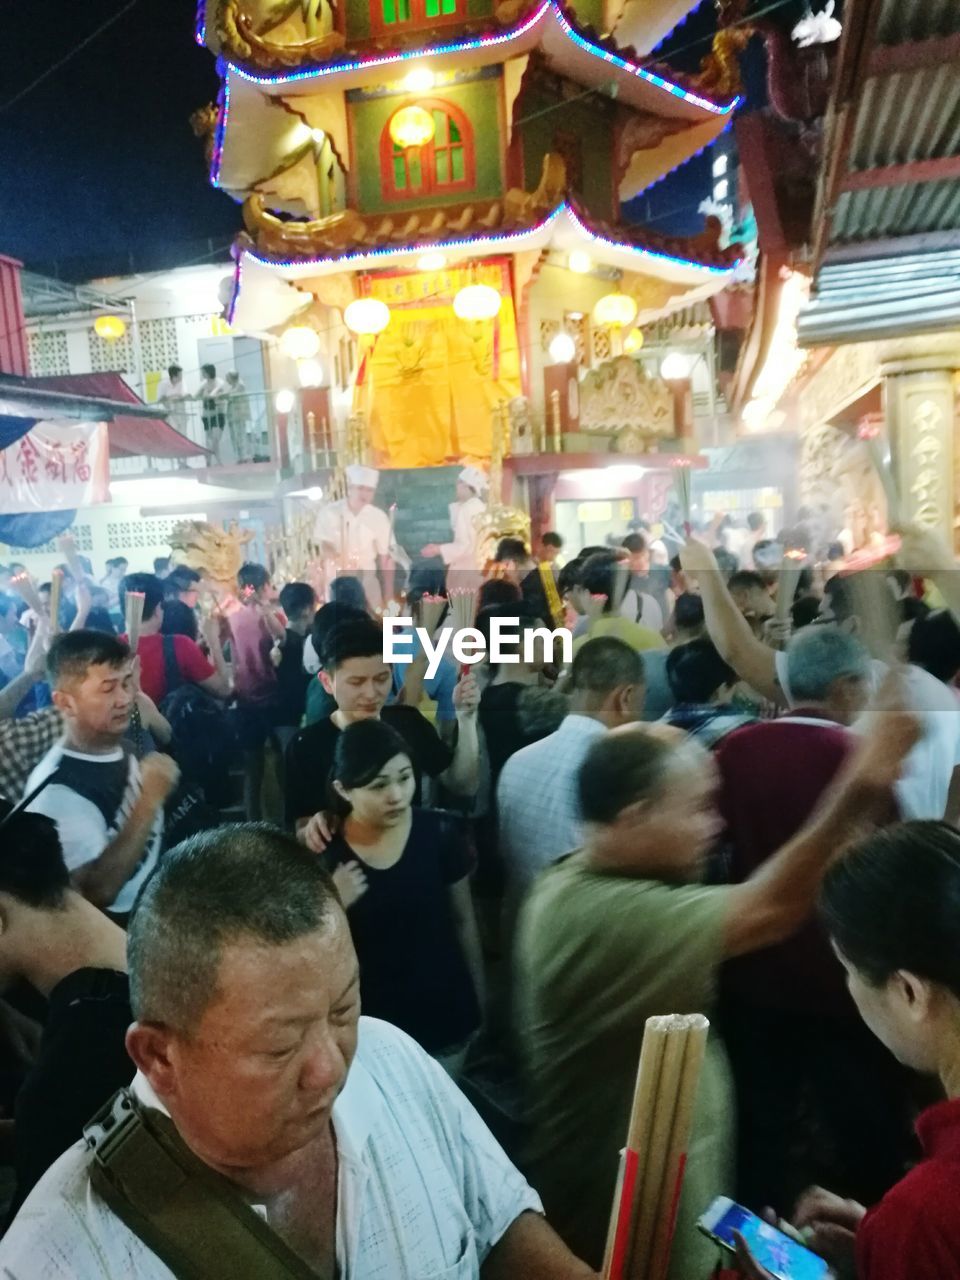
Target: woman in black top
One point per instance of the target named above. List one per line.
(403, 876)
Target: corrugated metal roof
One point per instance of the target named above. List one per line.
(896, 211)
(875, 298)
(904, 20)
(907, 116)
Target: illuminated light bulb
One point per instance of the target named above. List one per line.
(580, 262)
(419, 80)
(412, 127)
(284, 402)
(563, 349)
(109, 327)
(366, 316)
(300, 342)
(318, 136)
(675, 366)
(310, 373)
(431, 262)
(314, 493)
(633, 341)
(615, 311)
(477, 302)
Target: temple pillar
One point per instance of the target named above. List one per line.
(918, 400)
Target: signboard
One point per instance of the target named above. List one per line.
(56, 466)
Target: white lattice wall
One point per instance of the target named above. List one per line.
(48, 352)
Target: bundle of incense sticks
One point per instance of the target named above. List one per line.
(432, 609)
(56, 588)
(790, 571)
(133, 610)
(463, 612)
(873, 603)
(653, 1163)
(683, 483)
(26, 589)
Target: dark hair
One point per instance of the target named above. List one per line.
(551, 539)
(511, 549)
(327, 618)
(756, 520)
(599, 576)
(116, 562)
(620, 769)
(346, 589)
(934, 644)
(179, 620)
(72, 653)
(497, 591)
(837, 589)
(635, 542)
(688, 612)
(605, 664)
(363, 751)
(252, 575)
(360, 638)
(570, 576)
(208, 370)
(519, 612)
(174, 368)
(297, 598)
(160, 563)
(238, 882)
(178, 580)
(746, 580)
(695, 671)
(587, 552)
(804, 612)
(892, 902)
(149, 584)
(32, 868)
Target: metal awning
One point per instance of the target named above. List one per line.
(877, 298)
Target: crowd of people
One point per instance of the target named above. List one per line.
(394, 1031)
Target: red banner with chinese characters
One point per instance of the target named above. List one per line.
(56, 466)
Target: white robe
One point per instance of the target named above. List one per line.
(462, 554)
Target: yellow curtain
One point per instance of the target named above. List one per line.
(429, 383)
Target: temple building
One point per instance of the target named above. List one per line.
(431, 194)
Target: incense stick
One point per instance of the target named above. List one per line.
(432, 609)
(133, 609)
(26, 589)
(56, 587)
(790, 571)
(683, 484)
(463, 611)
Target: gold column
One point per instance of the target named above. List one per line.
(919, 410)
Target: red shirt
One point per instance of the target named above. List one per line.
(914, 1232)
(254, 675)
(153, 673)
(772, 777)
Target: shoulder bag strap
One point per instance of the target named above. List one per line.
(187, 1214)
(171, 666)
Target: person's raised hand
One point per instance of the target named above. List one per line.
(351, 881)
(319, 831)
(697, 558)
(466, 696)
(84, 601)
(159, 774)
(35, 662)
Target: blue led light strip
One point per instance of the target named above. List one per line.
(487, 42)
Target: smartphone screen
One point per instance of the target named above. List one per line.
(780, 1255)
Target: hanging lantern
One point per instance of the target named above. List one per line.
(580, 262)
(633, 341)
(477, 302)
(366, 316)
(109, 327)
(300, 342)
(563, 349)
(615, 311)
(412, 127)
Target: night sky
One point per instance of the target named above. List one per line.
(101, 171)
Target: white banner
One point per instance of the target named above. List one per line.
(56, 466)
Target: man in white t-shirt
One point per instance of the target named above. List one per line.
(173, 395)
(354, 1148)
(107, 805)
(356, 535)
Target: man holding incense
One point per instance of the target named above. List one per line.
(621, 930)
(271, 1131)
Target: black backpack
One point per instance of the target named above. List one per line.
(204, 741)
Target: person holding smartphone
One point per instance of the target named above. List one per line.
(891, 907)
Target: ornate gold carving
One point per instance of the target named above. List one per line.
(850, 371)
(241, 41)
(212, 550)
(620, 395)
(720, 70)
(204, 123)
(927, 486)
(840, 485)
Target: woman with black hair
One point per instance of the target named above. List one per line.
(891, 906)
(403, 877)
